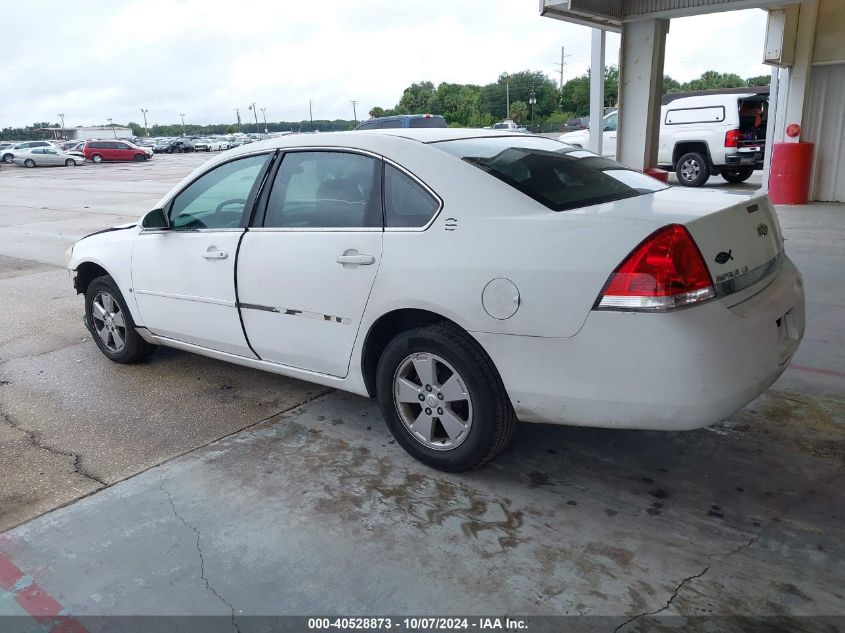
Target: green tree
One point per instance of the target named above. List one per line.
(376, 112)
(420, 98)
(519, 111)
(670, 85)
(759, 80)
(713, 79)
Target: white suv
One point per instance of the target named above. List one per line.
(8, 154)
(703, 134)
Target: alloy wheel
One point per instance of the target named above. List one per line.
(108, 322)
(432, 401)
(690, 169)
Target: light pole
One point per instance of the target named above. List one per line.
(61, 115)
(146, 131)
(238, 114)
(310, 111)
(112, 127)
(354, 111)
(264, 116)
(255, 114)
(184, 132)
(532, 100)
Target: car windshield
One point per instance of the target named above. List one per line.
(559, 176)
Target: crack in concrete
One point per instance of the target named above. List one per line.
(201, 555)
(789, 507)
(35, 440)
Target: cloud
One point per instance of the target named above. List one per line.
(95, 60)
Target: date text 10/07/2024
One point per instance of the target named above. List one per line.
(419, 624)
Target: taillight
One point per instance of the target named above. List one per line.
(732, 138)
(664, 272)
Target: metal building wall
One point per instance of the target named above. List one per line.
(824, 125)
(830, 33)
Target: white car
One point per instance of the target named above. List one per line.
(216, 145)
(702, 134)
(47, 157)
(465, 278)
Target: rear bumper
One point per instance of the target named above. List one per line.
(669, 371)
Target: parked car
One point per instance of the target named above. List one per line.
(9, 153)
(703, 134)
(161, 146)
(217, 144)
(577, 123)
(77, 148)
(465, 279)
(201, 144)
(509, 126)
(102, 151)
(46, 157)
(403, 120)
(180, 145)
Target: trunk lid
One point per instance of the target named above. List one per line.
(738, 235)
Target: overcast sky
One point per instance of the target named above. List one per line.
(95, 59)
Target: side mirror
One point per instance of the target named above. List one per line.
(155, 219)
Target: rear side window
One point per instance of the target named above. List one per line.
(428, 121)
(556, 175)
(714, 114)
(390, 123)
(406, 202)
(325, 190)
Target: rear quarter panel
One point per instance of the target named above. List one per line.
(559, 261)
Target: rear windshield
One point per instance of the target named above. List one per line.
(430, 121)
(559, 176)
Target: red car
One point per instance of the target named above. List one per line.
(99, 151)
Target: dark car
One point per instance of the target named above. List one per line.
(180, 145)
(576, 123)
(403, 120)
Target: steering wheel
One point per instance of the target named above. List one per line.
(226, 203)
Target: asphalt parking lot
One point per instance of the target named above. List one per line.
(184, 485)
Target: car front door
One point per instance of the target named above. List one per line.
(609, 141)
(306, 270)
(184, 276)
(51, 157)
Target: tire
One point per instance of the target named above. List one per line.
(29, 163)
(8, 158)
(97, 158)
(138, 158)
(107, 332)
(70, 163)
(737, 175)
(692, 169)
(482, 408)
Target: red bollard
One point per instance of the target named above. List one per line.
(661, 174)
(789, 177)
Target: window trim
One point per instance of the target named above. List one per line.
(697, 121)
(261, 209)
(255, 195)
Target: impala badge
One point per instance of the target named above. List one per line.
(762, 230)
(723, 257)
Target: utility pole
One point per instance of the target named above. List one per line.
(112, 127)
(238, 114)
(354, 111)
(310, 112)
(562, 63)
(255, 114)
(264, 116)
(61, 115)
(184, 131)
(507, 96)
(532, 100)
(146, 131)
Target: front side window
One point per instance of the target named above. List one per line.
(218, 198)
(406, 202)
(390, 123)
(559, 176)
(325, 190)
(611, 122)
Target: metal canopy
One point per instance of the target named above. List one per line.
(609, 15)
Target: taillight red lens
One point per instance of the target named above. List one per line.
(665, 271)
(732, 138)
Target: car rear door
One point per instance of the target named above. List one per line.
(184, 276)
(306, 270)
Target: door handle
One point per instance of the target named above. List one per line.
(360, 260)
(214, 253)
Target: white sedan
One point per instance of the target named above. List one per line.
(47, 157)
(466, 279)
